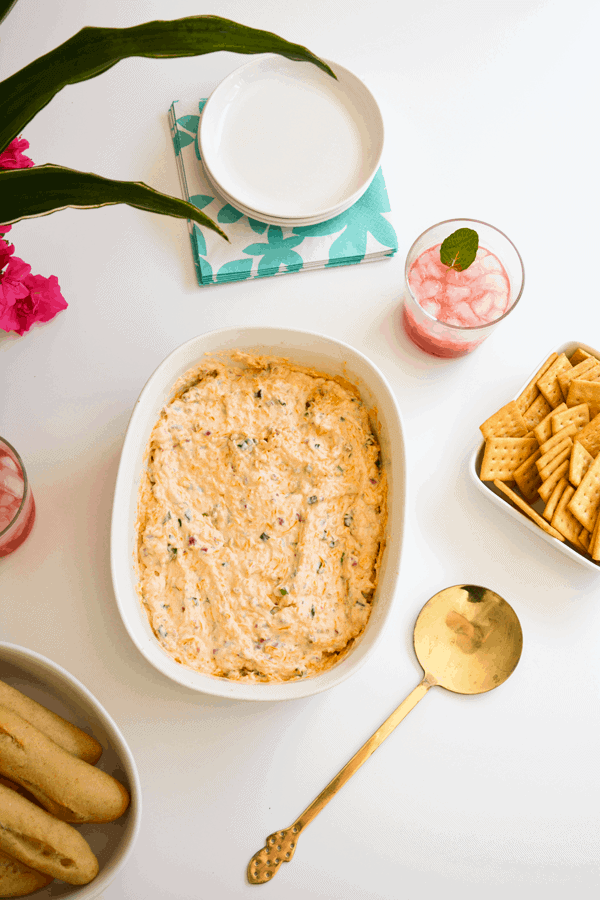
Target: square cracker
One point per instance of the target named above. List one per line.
(507, 422)
(528, 478)
(575, 415)
(579, 356)
(537, 412)
(554, 458)
(563, 519)
(503, 455)
(550, 483)
(544, 430)
(548, 382)
(578, 371)
(584, 538)
(529, 393)
(528, 510)
(589, 436)
(555, 496)
(567, 432)
(586, 499)
(594, 547)
(581, 392)
(579, 463)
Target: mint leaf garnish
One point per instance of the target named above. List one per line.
(460, 249)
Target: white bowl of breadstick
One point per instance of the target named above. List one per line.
(70, 803)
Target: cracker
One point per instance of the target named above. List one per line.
(544, 430)
(529, 393)
(586, 499)
(553, 458)
(567, 431)
(528, 478)
(550, 483)
(503, 455)
(581, 392)
(548, 382)
(589, 436)
(563, 519)
(575, 415)
(579, 463)
(555, 496)
(538, 411)
(594, 547)
(507, 422)
(578, 371)
(579, 356)
(528, 510)
(584, 538)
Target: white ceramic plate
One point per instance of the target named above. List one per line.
(500, 499)
(285, 139)
(53, 687)
(326, 355)
(270, 220)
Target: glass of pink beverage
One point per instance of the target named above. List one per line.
(17, 507)
(448, 313)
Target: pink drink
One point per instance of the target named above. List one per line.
(448, 312)
(17, 507)
(469, 299)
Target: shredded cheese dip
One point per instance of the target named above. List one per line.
(261, 520)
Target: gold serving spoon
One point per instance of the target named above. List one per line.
(468, 640)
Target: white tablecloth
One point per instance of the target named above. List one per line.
(490, 112)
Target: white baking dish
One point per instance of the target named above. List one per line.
(493, 494)
(326, 355)
(57, 690)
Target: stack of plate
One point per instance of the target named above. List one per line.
(285, 143)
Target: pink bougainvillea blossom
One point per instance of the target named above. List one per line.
(6, 251)
(27, 298)
(12, 157)
(24, 298)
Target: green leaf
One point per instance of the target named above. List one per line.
(25, 193)
(459, 249)
(5, 8)
(95, 50)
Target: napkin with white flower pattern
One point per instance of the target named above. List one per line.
(362, 233)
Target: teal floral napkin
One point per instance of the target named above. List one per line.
(363, 233)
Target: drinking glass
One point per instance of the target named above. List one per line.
(424, 323)
(17, 506)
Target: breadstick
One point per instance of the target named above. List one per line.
(63, 733)
(17, 879)
(44, 843)
(20, 790)
(68, 787)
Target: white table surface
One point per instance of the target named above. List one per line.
(491, 112)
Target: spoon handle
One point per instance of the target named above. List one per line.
(281, 845)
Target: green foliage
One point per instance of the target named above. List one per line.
(27, 193)
(459, 249)
(87, 54)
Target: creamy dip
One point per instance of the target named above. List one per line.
(261, 520)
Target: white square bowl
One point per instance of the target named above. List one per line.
(56, 689)
(500, 499)
(325, 355)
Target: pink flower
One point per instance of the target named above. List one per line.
(24, 298)
(12, 157)
(6, 251)
(27, 298)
